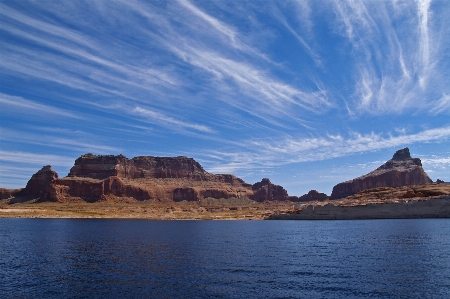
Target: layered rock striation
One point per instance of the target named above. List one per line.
(416, 201)
(142, 167)
(401, 170)
(266, 191)
(162, 179)
(312, 195)
(40, 183)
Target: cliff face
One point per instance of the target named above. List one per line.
(401, 170)
(102, 167)
(162, 179)
(313, 195)
(40, 183)
(265, 190)
(416, 201)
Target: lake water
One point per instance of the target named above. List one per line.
(79, 258)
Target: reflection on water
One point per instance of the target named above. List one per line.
(54, 258)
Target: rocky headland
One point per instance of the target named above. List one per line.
(157, 179)
(400, 188)
(418, 201)
(401, 170)
(179, 188)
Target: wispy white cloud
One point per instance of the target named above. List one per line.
(271, 153)
(77, 60)
(302, 8)
(437, 162)
(442, 105)
(233, 37)
(423, 11)
(36, 159)
(231, 70)
(8, 102)
(254, 83)
(260, 82)
(164, 120)
(215, 23)
(81, 142)
(393, 65)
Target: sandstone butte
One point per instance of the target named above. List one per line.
(401, 170)
(159, 179)
(398, 188)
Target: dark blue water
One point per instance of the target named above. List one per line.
(74, 258)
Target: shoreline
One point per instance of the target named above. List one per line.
(172, 211)
(435, 207)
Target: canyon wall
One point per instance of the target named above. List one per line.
(162, 179)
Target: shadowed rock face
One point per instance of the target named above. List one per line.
(39, 184)
(312, 195)
(162, 179)
(401, 170)
(8, 193)
(265, 190)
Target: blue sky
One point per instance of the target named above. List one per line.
(306, 93)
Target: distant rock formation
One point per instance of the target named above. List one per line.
(265, 190)
(102, 167)
(312, 195)
(416, 201)
(162, 179)
(40, 183)
(401, 170)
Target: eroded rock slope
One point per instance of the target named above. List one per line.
(401, 170)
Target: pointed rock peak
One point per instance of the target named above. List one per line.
(266, 181)
(402, 155)
(47, 171)
(40, 181)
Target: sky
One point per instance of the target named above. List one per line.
(306, 93)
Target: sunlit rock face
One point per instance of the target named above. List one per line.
(115, 177)
(102, 167)
(401, 170)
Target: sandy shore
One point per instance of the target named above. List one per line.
(182, 211)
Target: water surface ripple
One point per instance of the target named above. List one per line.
(83, 258)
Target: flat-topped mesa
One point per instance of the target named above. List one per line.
(102, 167)
(168, 167)
(401, 170)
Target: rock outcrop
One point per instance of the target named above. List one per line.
(40, 183)
(416, 201)
(266, 191)
(8, 193)
(159, 179)
(312, 195)
(401, 170)
(432, 208)
(142, 167)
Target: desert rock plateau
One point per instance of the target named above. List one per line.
(179, 188)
